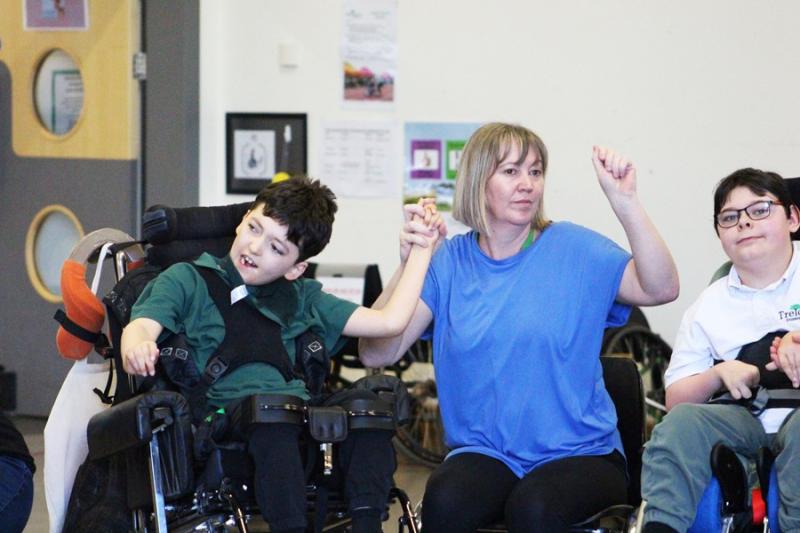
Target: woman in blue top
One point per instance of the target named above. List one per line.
(517, 309)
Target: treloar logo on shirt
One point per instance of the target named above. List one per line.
(793, 313)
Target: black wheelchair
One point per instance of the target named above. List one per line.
(141, 475)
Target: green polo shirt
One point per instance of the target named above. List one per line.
(178, 299)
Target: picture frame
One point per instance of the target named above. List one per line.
(259, 145)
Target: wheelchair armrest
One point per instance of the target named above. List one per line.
(132, 423)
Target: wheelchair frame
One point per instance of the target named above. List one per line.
(147, 428)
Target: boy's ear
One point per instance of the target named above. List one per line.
(794, 218)
(296, 271)
(241, 223)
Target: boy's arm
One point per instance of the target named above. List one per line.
(422, 233)
(692, 376)
(393, 318)
(420, 220)
(651, 277)
(138, 346)
(736, 376)
(377, 352)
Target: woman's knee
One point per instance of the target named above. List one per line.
(442, 496)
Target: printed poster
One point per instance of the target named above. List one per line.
(369, 53)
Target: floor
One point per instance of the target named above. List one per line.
(411, 477)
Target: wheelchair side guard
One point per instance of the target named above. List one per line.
(155, 428)
(726, 495)
(732, 479)
(133, 422)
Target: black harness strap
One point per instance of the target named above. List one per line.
(774, 388)
(249, 335)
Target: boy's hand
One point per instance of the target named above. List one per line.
(141, 359)
(738, 377)
(616, 174)
(785, 355)
(423, 226)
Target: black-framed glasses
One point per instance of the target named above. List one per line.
(756, 211)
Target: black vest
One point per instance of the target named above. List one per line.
(250, 337)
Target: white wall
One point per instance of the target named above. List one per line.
(689, 90)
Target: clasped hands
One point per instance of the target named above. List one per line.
(423, 226)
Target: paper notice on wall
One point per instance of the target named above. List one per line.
(369, 52)
(346, 288)
(358, 159)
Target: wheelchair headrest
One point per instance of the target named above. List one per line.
(180, 234)
(83, 317)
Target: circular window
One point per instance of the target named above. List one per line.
(58, 92)
(55, 230)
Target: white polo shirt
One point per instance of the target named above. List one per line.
(728, 315)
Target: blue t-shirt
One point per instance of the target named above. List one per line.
(516, 346)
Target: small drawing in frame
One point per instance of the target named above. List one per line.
(261, 145)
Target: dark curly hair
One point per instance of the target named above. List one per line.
(306, 207)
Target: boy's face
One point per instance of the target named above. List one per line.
(262, 253)
(755, 240)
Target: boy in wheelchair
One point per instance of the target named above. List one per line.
(257, 339)
(737, 337)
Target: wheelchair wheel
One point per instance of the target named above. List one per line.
(651, 354)
(422, 439)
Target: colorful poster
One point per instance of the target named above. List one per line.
(369, 52)
(55, 15)
(432, 152)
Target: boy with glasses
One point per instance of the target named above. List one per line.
(738, 335)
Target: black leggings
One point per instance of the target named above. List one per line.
(471, 490)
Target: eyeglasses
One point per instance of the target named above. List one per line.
(756, 211)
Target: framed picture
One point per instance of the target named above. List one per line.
(260, 145)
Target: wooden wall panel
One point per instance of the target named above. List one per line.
(109, 124)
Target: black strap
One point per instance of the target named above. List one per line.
(74, 329)
(312, 365)
(249, 335)
(104, 394)
(762, 399)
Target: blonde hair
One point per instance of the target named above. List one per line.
(483, 153)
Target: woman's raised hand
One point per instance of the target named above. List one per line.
(423, 225)
(616, 174)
